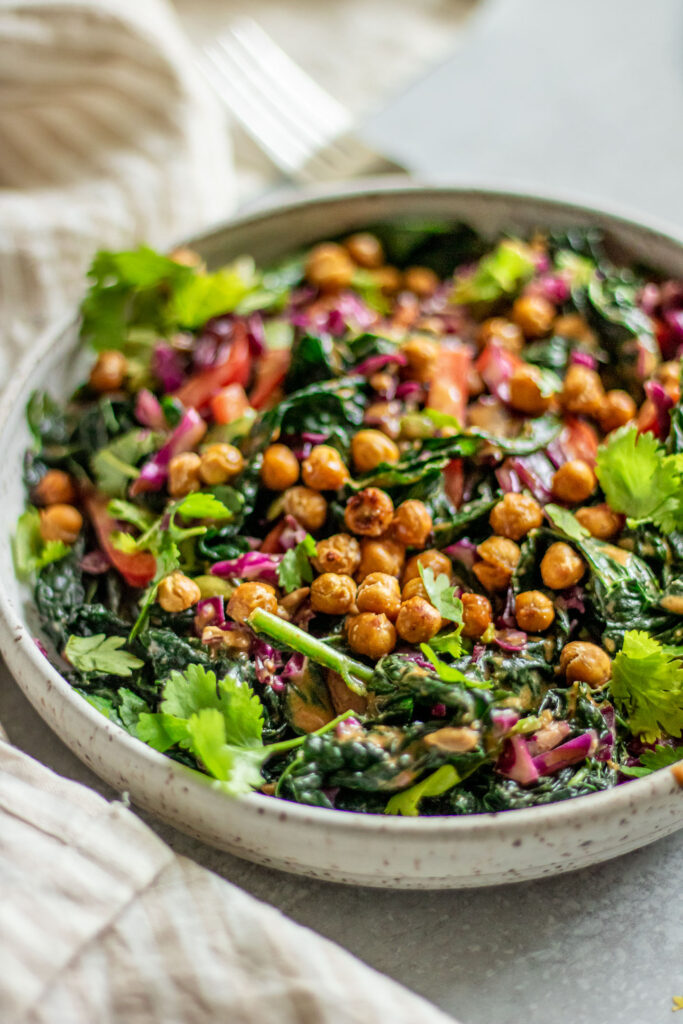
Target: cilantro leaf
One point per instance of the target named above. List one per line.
(647, 687)
(500, 273)
(449, 673)
(114, 465)
(202, 505)
(101, 654)
(442, 595)
(407, 802)
(127, 512)
(202, 296)
(30, 552)
(295, 568)
(640, 480)
(652, 760)
(566, 521)
(441, 419)
(220, 723)
(448, 643)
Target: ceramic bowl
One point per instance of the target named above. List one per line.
(373, 850)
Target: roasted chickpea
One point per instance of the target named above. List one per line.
(533, 314)
(412, 523)
(220, 463)
(503, 332)
(582, 391)
(369, 512)
(382, 382)
(329, 267)
(585, 663)
(369, 448)
(476, 615)
(515, 515)
(379, 592)
(249, 596)
(55, 488)
(333, 593)
(371, 634)
(534, 611)
(574, 482)
(308, 507)
(669, 374)
(500, 556)
(433, 559)
(414, 588)
(421, 280)
(617, 409)
(280, 467)
(383, 555)
(60, 522)
(421, 353)
(185, 257)
(384, 416)
(418, 621)
(527, 393)
(574, 327)
(339, 553)
(109, 372)
(183, 474)
(177, 592)
(388, 279)
(324, 469)
(600, 521)
(561, 567)
(365, 250)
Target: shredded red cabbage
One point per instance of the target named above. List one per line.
(168, 367)
(663, 404)
(516, 762)
(148, 411)
(252, 565)
(184, 438)
(575, 750)
(95, 562)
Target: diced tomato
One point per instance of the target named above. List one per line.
(448, 390)
(495, 366)
(229, 404)
(200, 389)
(137, 569)
(579, 440)
(454, 481)
(270, 373)
(271, 541)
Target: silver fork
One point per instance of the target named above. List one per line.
(305, 132)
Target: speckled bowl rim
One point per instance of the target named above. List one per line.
(21, 653)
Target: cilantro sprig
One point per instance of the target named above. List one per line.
(295, 568)
(647, 686)
(442, 595)
(653, 760)
(640, 480)
(101, 655)
(221, 723)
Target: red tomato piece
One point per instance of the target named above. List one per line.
(201, 388)
(270, 373)
(228, 404)
(137, 569)
(448, 391)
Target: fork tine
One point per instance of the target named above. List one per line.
(288, 79)
(276, 100)
(254, 114)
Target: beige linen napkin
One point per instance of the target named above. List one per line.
(100, 923)
(107, 138)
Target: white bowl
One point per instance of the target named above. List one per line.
(376, 850)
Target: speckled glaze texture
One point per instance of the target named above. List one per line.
(373, 850)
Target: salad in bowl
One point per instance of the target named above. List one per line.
(393, 526)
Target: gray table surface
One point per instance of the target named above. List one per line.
(584, 98)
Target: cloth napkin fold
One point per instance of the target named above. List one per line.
(109, 138)
(102, 922)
